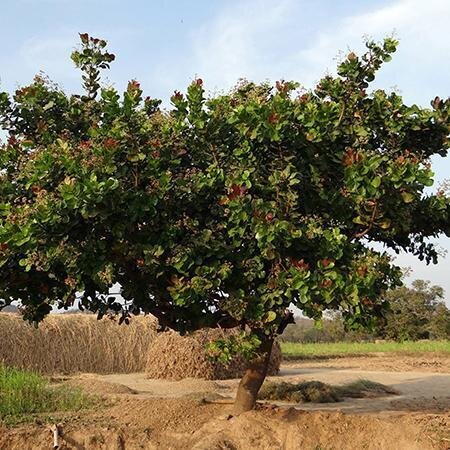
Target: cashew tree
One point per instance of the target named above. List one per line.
(220, 211)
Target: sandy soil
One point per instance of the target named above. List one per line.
(419, 390)
(157, 414)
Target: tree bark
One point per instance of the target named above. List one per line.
(253, 378)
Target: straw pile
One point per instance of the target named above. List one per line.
(175, 357)
(72, 343)
(79, 343)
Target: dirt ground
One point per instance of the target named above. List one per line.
(157, 414)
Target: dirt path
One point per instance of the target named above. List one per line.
(419, 391)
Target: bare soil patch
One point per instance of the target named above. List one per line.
(161, 414)
(187, 424)
(91, 383)
(417, 390)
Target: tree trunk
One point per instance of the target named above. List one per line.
(253, 378)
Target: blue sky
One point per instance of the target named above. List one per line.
(166, 43)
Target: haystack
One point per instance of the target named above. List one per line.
(73, 343)
(175, 357)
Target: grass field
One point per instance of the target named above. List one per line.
(23, 394)
(293, 350)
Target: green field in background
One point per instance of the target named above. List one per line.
(298, 350)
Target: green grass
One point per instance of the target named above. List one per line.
(24, 394)
(293, 350)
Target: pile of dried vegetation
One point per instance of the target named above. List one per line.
(77, 343)
(318, 392)
(175, 357)
(71, 343)
(304, 392)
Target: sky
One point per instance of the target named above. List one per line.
(166, 43)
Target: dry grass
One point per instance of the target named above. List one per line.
(365, 388)
(79, 343)
(176, 357)
(318, 392)
(304, 392)
(76, 343)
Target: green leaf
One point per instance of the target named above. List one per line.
(359, 220)
(376, 182)
(270, 316)
(23, 240)
(49, 105)
(136, 157)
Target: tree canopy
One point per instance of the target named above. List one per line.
(234, 206)
(221, 210)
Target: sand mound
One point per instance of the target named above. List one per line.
(180, 424)
(175, 357)
(91, 384)
(296, 430)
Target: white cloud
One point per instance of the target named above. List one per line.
(271, 40)
(422, 64)
(234, 43)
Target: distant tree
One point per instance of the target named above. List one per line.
(222, 211)
(330, 329)
(418, 312)
(295, 332)
(440, 322)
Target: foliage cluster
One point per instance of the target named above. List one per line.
(416, 313)
(330, 329)
(221, 211)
